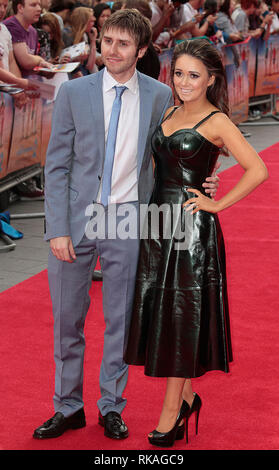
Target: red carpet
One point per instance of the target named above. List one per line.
(241, 409)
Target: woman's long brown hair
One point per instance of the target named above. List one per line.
(208, 54)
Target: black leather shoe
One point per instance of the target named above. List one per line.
(58, 424)
(97, 276)
(115, 428)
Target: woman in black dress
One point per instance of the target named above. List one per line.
(180, 323)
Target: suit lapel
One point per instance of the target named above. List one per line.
(144, 117)
(97, 106)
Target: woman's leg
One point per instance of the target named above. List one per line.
(187, 392)
(176, 390)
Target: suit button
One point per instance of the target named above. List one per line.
(99, 178)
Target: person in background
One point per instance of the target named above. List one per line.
(102, 12)
(83, 30)
(25, 36)
(255, 19)
(62, 9)
(117, 5)
(235, 7)
(26, 52)
(45, 5)
(225, 24)
(210, 7)
(84, 3)
(240, 17)
(149, 64)
(162, 11)
(50, 24)
(273, 8)
(260, 20)
(9, 70)
(43, 42)
(191, 19)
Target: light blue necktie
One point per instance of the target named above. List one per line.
(110, 146)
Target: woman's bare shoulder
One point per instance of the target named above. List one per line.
(169, 111)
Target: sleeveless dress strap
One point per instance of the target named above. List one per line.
(205, 119)
(170, 114)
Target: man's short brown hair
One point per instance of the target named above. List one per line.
(246, 4)
(134, 23)
(15, 3)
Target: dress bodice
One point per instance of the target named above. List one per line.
(184, 158)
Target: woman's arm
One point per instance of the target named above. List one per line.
(92, 55)
(255, 171)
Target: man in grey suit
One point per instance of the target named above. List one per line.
(77, 175)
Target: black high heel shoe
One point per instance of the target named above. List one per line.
(195, 408)
(180, 432)
(166, 439)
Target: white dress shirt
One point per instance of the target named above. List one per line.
(275, 23)
(5, 45)
(124, 185)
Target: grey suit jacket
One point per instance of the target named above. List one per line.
(76, 150)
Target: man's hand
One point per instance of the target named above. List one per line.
(212, 182)
(48, 73)
(211, 19)
(62, 248)
(168, 9)
(31, 86)
(236, 37)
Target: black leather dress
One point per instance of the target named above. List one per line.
(180, 322)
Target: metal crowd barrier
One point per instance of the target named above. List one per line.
(24, 135)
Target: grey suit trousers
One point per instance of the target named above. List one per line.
(69, 288)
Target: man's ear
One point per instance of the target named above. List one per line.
(19, 8)
(141, 52)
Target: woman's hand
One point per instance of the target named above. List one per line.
(65, 59)
(93, 33)
(200, 202)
